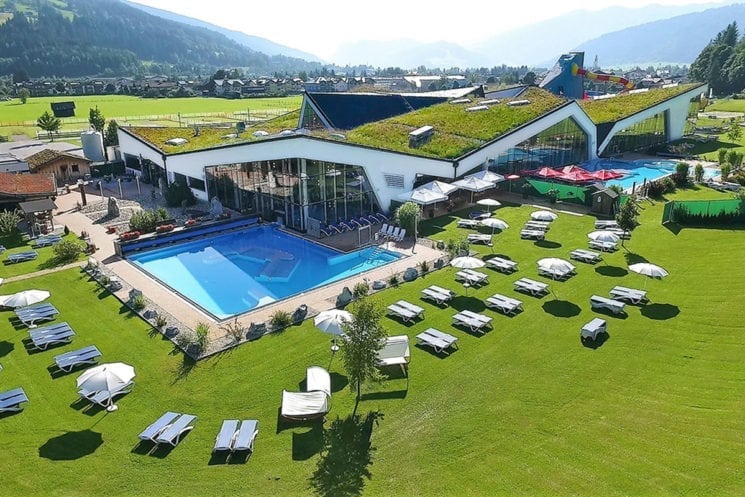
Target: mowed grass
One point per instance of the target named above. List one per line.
(525, 409)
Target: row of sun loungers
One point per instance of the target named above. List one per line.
(406, 311)
(28, 255)
(391, 232)
(12, 400)
(236, 436)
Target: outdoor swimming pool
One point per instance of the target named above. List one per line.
(233, 273)
(635, 172)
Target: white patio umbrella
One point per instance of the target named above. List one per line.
(332, 322)
(603, 236)
(108, 377)
(439, 187)
(555, 263)
(489, 202)
(467, 262)
(422, 196)
(494, 223)
(473, 185)
(487, 175)
(543, 216)
(24, 298)
(648, 270)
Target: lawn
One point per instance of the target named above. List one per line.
(15, 244)
(525, 409)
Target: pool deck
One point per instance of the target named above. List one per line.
(188, 314)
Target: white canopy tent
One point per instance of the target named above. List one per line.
(439, 187)
(422, 196)
(474, 185)
(487, 175)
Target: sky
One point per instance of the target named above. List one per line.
(320, 27)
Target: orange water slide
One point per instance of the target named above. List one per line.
(577, 71)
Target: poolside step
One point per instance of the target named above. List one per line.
(278, 270)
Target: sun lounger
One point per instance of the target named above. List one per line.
(224, 439)
(623, 234)
(151, 432)
(472, 320)
(615, 306)
(601, 224)
(104, 398)
(603, 246)
(532, 234)
(44, 337)
(473, 277)
(419, 311)
(468, 223)
(437, 340)
(436, 296)
(11, 400)
(381, 217)
(405, 314)
(31, 315)
(29, 255)
(479, 238)
(479, 214)
(401, 235)
(507, 305)
(443, 290)
(502, 265)
(585, 255)
(69, 360)
(538, 225)
(629, 294)
(531, 286)
(554, 274)
(395, 352)
(313, 403)
(46, 241)
(593, 328)
(382, 230)
(172, 433)
(246, 435)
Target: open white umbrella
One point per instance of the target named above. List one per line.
(489, 202)
(423, 196)
(543, 216)
(648, 270)
(487, 175)
(494, 223)
(555, 263)
(24, 298)
(603, 236)
(110, 378)
(440, 187)
(332, 322)
(467, 262)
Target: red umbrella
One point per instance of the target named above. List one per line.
(605, 175)
(578, 176)
(547, 172)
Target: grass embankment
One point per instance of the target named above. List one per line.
(525, 409)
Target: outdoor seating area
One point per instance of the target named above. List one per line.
(236, 436)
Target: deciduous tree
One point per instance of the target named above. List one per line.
(49, 123)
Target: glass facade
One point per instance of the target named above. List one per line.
(640, 136)
(293, 190)
(693, 108)
(562, 144)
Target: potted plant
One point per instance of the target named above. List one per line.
(110, 229)
(552, 195)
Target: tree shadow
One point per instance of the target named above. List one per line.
(308, 443)
(600, 339)
(547, 244)
(611, 271)
(346, 457)
(71, 445)
(6, 348)
(561, 308)
(183, 369)
(660, 312)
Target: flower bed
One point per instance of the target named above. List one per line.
(130, 235)
(164, 228)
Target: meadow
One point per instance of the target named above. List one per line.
(526, 409)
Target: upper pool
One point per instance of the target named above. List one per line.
(634, 172)
(232, 273)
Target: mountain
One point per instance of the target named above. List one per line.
(677, 41)
(255, 43)
(107, 37)
(406, 54)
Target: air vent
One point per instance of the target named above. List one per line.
(260, 133)
(516, 103)
(493, 101)
(461, 101)
(420, 136)
(477, 108)
(176, 141)
(394, 180)
(337, 136)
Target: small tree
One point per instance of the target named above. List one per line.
(406, 216)
(9, 221)
(698, 173)
(23, 95)
(725, 170)
(96, 119)
(732, 157)
(365, 336)
(722, 155)
(627, 215)
(734, 133)
(49, 123)
(111, 137)
(681, 173)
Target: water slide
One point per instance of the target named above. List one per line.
(577, 71)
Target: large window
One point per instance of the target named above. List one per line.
(293, 190)
(639, 136)
(562, 144)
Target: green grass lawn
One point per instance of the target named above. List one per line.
(15, 244)
(525, 409)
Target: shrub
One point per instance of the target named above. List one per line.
(9, 221)
(456, 245)
(145, 221)
(424, 266)
(407, 215)
(681, 173)
(722, 155)
(725, 169)
(655, 189)
(393, 280)
(280, 319)
(67, 230)
(178, 193)
(234, 329)
(202, 336)
(184, 340)
(105, 280)
(160, 321)
(698, 173)
(361, 289)
(139, 302)
(68, 250)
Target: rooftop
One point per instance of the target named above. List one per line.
(46, 156)
(15, 184)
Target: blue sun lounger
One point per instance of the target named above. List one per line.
(31, 315)
(29, 255)
(69, 360)
(172, 433)
(11, 400)
(46, 241)
(151, 432)
(42, 338)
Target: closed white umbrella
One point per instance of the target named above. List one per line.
(24, 298)
(649, 270)
(543, 216)
(603, 236)
(109, 378)
(494, 223)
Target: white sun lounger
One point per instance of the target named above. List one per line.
(468, 223)
(412, 307)
(629, 294)
(246, 435)
(437, 339)
(601, 224)
(11, 400)
(226, 435)
(472, 320)
(532, 234)
(151, 432)
(479, 238)
(593, 328)
(443, 290)
(31, 315)
(555, 274)
(531, 286)
(69, 360)
(538, 225)
(505, 304)
(438, 297)
(313, 403)
(603, 246)
(585, 255)
(501, 265)
(172, 433)
(405, 314)
(472, 277)
(46, 241)
(104, 398)
(615, 306)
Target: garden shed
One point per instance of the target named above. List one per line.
(605, 202)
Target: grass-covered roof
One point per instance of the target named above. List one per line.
(211, 137)
(456, 131)
(614, 109)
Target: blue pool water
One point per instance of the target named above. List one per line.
(635, 172)
(233, 273)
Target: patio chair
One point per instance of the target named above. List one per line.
(615, 306)
(401, 235)
(11, 400)
(245, 436)
(69, 360)
(224, 439)
(29, 255)
(172, 433)
(394, 234)
(437, 339)
(151, 432)
(403, 313)
(382, 230)
(593, 328)
(314, 403)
